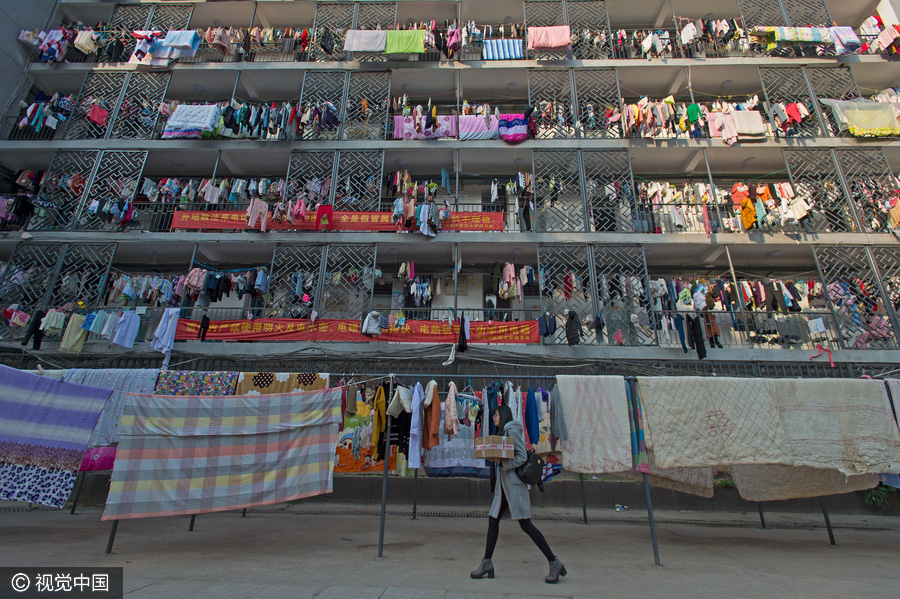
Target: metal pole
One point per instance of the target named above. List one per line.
(745, 317)
(827, 520)
(890, 395)
(112, 536)
(652, 521)
(583, 500)
(191, 527)
(632, 381)
(762, 518)
(415, 491)
(387, 460)
(78, 492)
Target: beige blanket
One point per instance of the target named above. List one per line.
(697, 422)
(596, 413)
(843, 424)
(775, 483)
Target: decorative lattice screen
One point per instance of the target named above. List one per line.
(814, 172)
(348, 282)
(564, 275)
(595, 89)
(557, 186)
(550, 92)
(609, 191)
(853, 295)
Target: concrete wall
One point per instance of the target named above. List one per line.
(476, 494)
(14, 17)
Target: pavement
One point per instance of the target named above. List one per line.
(329, 551)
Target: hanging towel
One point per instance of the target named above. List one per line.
(549, 38)
(405, 42)
(503, 49)
(359, 40)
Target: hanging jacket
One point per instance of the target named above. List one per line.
(573, 329)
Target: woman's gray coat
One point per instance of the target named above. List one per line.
(510, 484)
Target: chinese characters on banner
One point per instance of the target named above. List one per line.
(343, 221)
(414, 331)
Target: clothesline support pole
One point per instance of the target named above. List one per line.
(827, 520)
(191, 525)
(632, 382)
(387, 461)
(415, 492)
(112, 536)
(652, 521)
(762, 518)
(583, 500)
(78, 491)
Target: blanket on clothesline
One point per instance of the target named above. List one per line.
(596, 413)
(45, 425)
(197, 454)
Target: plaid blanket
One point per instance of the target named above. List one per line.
(194, 454)
(45, 425)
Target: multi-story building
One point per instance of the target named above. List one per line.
(615, 215)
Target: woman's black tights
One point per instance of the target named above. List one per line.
(526, 525)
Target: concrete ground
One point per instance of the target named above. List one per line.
(329, 551)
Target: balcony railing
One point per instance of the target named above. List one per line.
(664, 43)
(803, 331)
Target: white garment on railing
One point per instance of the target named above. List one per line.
(164, 336)
(358, 40)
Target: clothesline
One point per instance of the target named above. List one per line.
(642, 94)
(749, 94)
(788, 276)
(245, 269)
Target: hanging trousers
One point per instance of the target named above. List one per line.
(258, 210)
(204, 327)
(34, 330)
(696, 331)
(679, 326)
(327, 211)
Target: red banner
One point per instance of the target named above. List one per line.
(343, 221)
(414, 331)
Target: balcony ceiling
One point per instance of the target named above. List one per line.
(622, 13)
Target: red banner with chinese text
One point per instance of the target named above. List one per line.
(343, 221)
(414, 331)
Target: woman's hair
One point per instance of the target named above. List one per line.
(505, 417)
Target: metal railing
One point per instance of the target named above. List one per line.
(760, 330)
(599, 47)
(11, 130)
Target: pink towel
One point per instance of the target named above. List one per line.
(549, 38)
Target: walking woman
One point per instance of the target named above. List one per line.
(512, 494)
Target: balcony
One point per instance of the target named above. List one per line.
(599, 31)
(610, 293)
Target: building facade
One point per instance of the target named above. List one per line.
(639, 183)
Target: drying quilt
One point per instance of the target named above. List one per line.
(264, 383)
(45, 425)
(596, 410)
(695, 422)
(196, 454)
